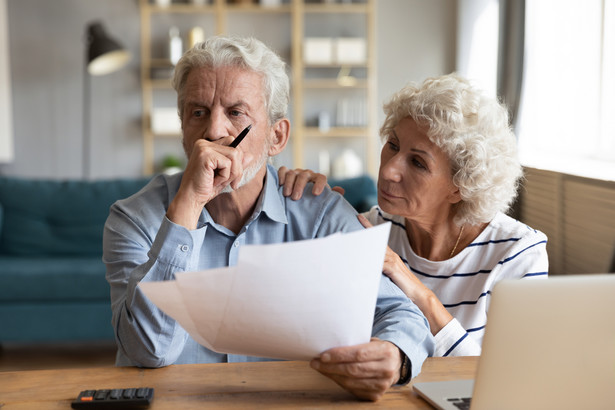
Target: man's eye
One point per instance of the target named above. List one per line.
(235, 113)
(198, 113)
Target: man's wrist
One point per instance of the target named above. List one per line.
(405, 371)
(184, 212)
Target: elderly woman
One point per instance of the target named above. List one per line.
(448, 172)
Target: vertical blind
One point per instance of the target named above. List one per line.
(578, 216)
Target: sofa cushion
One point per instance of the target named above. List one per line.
(56, 322)
(361, 191)
(48, 217)
(52, 279)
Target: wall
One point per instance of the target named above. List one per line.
(416, 39)
(47, 45)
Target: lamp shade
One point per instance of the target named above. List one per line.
(104, 54)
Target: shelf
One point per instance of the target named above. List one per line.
(309, 82)
(336, 65)
(334, 83)
(180, 8)
(341, 132)
(165, 135)
(255, 8)
(333, 8)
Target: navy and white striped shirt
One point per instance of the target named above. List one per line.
(506, 249)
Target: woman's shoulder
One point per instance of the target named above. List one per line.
(503, 226)
(518, 249)
(505, 236)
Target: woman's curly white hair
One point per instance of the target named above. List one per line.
(474, 132)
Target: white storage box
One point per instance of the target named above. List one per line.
(350, 50)
(165, 121)
(318, 50)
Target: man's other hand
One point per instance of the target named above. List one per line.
(366, 370)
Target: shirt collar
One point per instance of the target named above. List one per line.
(270, 201)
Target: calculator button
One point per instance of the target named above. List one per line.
(101, 394)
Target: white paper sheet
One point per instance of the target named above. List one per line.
(288, 301)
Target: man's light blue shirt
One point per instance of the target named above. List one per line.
(141, 244)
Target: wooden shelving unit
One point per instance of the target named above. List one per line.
(304, 88)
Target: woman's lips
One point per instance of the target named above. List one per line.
(387, 194)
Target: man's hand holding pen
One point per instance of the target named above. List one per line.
(212, 166)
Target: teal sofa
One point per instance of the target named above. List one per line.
(361, 191)
(52, 278)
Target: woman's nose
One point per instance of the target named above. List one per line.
(392, 169)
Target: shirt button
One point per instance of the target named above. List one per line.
(236, 244)
(185, 248)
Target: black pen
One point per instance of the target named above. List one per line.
(240, 137)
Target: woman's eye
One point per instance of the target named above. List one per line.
(417, 163)
(392, 146)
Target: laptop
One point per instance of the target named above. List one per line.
(549, 344)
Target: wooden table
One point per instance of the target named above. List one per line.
(268, 385)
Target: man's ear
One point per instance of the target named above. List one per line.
(279, 137)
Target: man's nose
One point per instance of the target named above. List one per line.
(217, 127)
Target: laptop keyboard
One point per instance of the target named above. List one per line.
(461, 403)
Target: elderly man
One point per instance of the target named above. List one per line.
(228, 197)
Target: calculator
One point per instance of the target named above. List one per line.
(131, 398)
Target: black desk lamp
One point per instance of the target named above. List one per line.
(104, 55)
